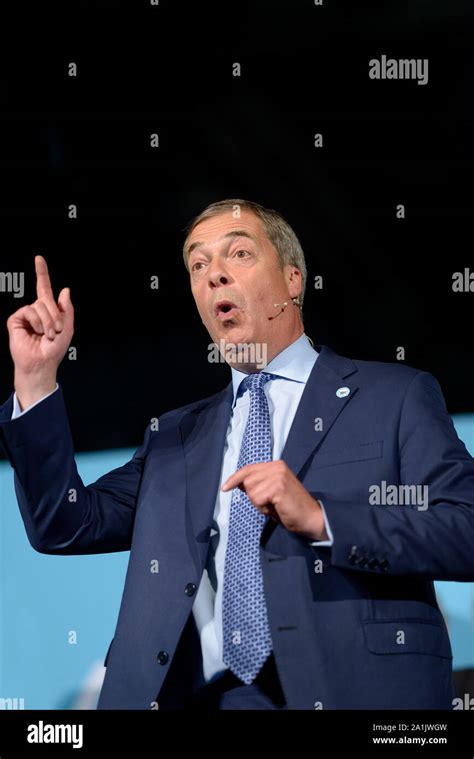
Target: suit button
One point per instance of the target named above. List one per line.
(353, 556)
(373, 563)
(384, 564)
(190, 589)
(162, 657)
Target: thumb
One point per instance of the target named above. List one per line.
(64, 300)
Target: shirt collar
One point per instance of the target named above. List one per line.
(294, 362)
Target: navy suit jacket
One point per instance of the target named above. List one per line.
(355, 625)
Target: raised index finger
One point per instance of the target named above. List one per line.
(43, 282)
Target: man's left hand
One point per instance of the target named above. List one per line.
(275, 491)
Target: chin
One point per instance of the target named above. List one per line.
(235, 335)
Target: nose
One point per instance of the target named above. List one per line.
(217, 276)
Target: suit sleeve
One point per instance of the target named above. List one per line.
(328, 531)
(61, 515)
(434, 541)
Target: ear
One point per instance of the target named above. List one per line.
(293, 280)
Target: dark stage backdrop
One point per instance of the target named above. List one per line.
(236, 94)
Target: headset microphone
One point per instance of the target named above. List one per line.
(283, 306)
(277, 305)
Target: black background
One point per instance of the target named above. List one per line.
(168, 69)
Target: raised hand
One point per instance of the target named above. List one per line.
(40, 335)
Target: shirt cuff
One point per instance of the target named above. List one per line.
(328, 530)
(16, 406)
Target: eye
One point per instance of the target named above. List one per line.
(241, 250)
(198, 263)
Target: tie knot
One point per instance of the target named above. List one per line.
(255, 381)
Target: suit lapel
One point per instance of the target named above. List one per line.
(319, 407)
(203, 432)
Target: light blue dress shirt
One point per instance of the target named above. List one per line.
(291, 367)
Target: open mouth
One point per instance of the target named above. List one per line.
(225, 309)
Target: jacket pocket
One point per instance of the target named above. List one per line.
(407, 636)
(347, 454)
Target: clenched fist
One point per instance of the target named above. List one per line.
(40, 335)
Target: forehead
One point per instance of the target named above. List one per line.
(209, 231)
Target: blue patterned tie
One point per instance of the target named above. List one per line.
(246, 633)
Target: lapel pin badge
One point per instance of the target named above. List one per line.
(342, 392)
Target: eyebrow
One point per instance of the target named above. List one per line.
(234, 233)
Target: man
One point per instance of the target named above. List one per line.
(288, 578)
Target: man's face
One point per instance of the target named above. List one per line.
(236, 280)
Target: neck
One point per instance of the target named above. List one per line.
(255, 363)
